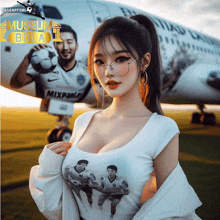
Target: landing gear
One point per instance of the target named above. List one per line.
(205, 118)
(209, 119)
(196, 118)
(62, 132)
(52, 135)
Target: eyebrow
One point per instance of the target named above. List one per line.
(114, 53)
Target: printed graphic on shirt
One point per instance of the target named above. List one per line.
(81, 179)
(113, 188)
(110, 186)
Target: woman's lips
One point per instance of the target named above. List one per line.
(112, 84)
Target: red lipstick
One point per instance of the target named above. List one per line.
(112, 84)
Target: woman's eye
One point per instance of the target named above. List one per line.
(122, 59)
(99, 62)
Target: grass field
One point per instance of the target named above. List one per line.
(23, 136)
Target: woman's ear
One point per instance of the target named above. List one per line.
(146, 60)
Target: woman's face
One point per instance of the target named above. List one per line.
(124, 77)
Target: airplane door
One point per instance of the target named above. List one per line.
(99, 11)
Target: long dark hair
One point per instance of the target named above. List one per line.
(138, 34)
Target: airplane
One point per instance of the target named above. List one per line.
(191, 60)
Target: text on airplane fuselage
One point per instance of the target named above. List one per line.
(165, 25)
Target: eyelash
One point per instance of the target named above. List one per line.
(118, 59)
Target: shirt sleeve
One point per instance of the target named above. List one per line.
(77, 124)
(81, 123)
(167, 129)
(46, 185)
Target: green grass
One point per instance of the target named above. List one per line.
(203, 177)
(26, 129)
(16, 166)
(19, 205)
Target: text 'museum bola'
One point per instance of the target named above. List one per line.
(101, 173)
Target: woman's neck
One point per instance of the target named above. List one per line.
(128, 105)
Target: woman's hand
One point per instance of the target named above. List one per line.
(60, 148)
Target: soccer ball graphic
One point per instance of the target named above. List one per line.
(44, 60)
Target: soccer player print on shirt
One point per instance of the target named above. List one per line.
(113, 188)
(81, 179)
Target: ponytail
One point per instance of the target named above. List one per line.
(151, 94)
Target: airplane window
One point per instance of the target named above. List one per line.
(201, 49)
(193, 47)
(188, 45)
(51, 12)
(172, 41)
(183, 44)
(197, 48)
(209, 51)
(160, 39)
(178, 43)
(205, 50)
(167, 40)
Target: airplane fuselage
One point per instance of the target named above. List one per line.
(191, 60)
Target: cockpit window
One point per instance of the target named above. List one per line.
(51, 12)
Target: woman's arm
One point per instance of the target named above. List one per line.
(167, 160)
(46, 182)
(175, 198)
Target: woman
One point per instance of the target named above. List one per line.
(102, 172)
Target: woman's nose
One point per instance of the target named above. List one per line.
(108, 70)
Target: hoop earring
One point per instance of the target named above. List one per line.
(146, 78)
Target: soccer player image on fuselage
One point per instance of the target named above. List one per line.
(113, 188)
(69, 81)
(81, 179)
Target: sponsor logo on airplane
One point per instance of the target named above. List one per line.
(63, 95)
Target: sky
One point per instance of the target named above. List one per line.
(200, 15)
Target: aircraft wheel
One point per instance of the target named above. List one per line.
(209, 119)
(196, 118)
(64, 134)
(52, 135)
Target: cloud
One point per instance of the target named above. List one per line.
(212, 7)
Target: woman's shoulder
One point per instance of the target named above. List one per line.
(86, 116)
(165, 121)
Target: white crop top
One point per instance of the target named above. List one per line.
(109, 185)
